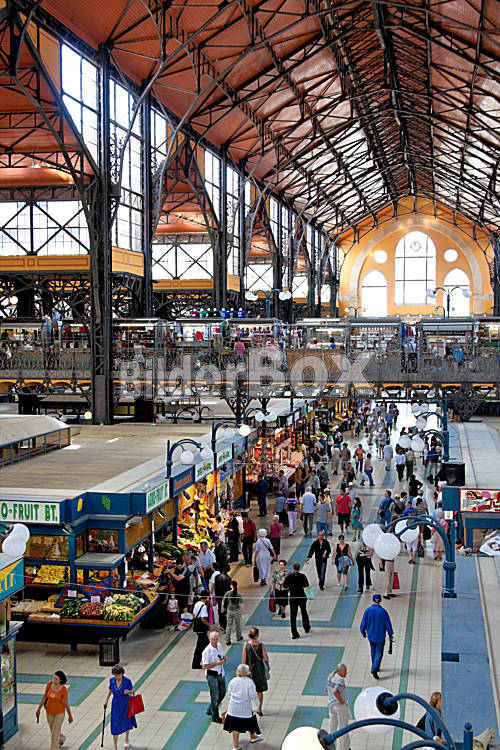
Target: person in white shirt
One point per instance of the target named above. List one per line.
(212, 661)
(240, 716)
(200, 627)
(400, 464)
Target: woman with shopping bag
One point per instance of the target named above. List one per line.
(342, 561)
(120, 690)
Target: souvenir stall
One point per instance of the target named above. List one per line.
(11, 582)
(224, 477)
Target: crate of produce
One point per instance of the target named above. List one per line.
(92, 611)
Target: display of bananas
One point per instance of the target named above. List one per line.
(118, 613)
(51, 574)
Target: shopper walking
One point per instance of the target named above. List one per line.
(356, 516)
(55, 702)
(275, 530)
(207, 560)
(201, 628)
(249, 538)
(342, 561)
(292, 505)
(296, 583)
(323, 515)
(212, 661)
(375, 624)
(338, 706)
(240, 716)
(335, 459)
(400, 461)
(232, 606)
(321, 551)
(307, 504)
(365, 566)
(255, 655)
(410, 462)
(262, 556)
(262, 490)
(221, 586)
(233, 538)
(359, 457)
(343, 503)
(388, 454)
(279, 591)
(368, 471)
(383, 510)
(120, 689)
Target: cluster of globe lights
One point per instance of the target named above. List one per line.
(188, 457)
(14, 544)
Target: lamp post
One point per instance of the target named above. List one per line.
(376, 708)
(440, 307)
(355, 309)
(443, 434)
(432, 293)
(449, 565)
(254, 296)
(187, 457)
(229, 426)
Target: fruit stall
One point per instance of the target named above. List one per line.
(11, 582)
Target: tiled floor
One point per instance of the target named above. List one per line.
(158, 662)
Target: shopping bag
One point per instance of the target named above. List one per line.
(272, 604)
(211, 618)
(310, 593)
(395, 581)
(255, 574)
(135, 706)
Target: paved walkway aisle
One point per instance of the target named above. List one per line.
(176, 697)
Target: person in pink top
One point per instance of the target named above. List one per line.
(275, 530)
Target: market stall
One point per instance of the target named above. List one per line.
(11, 581)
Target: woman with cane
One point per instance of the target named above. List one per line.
(121, 688)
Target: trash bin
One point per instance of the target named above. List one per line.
(109, 652)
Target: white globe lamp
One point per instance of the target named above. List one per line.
(415, 408)
(408, 536)
(206, 454)
(228, 433)
(87, 415)
(187, 458)
(370, 704)
(284, 295)
(387, 546)
(421, 423)
(245, 430)
(417, 443)
(13, 546)
(259, 417)
(404, 441)
(20, 531)
(370, 534)
(302, 738)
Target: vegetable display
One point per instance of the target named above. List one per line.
(92, 610)
(118, 613)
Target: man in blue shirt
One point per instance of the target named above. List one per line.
(409, 510)
(374, 625)
(262, 490)
(383, 508)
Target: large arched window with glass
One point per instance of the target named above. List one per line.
(374, 295)
(414, 269)
(459, 302)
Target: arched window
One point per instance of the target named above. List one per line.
(459, 304)
(415, 269)
(374, 295)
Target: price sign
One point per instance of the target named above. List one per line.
(72, 594)
(95, 599)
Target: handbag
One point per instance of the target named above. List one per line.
(198, 624)
(135, 706)
(309, 593)
(255, 574)
(272, 603)
(267, 668)
(395, 581)
(420, 550)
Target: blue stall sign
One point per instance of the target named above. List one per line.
(11, 576)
